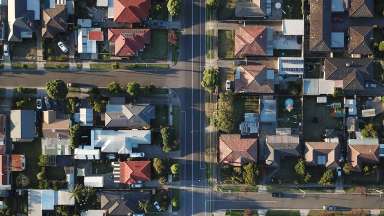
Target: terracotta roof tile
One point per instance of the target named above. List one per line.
(96, 35)
(361, 8)
(251, 41)
(253, 79)
(131, 11)
(235, 150)
(133, 171)
(129, 41)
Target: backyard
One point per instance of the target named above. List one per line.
(31, 150)
(317, 118)
(289, 118)
(158, 49)
(226, 44)
(293, 9)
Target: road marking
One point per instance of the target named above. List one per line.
(244, 201)
(192, 89)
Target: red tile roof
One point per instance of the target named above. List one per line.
(131, 11)
(129, 41)
(3, 170)
(235, 150)
(133, 171)
(251, 41)
(96, 35)
(17, 162)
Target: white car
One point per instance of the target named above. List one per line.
(5, 50)
(62, 47)
(157, 206)
(137, 185)
(228, 85)
(39, 104)
(137, 155)
(47, 103)
(339, 172)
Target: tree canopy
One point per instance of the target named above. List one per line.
(327, 178)
(250, 173)
(174, 7)
(56, 89)
(159, 166)
(224, 117)
(210, 79)
(369, 131)
(212, 3)
(114, 88)
(133, 89)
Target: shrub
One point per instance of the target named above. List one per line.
(347, 168)
(210, 79)
(300, 167)
(133, 89)
(369, 131)
(56, 89)
(250, 173)
(224, 117)
(381, 46)
(175, 169)
(114, 88)
(327, 178)
(158, 166)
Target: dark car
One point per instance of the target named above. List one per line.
(329, 208)
(277, 194)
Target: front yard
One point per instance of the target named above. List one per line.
(339, 213)
(226, 9)
(24, 50)
(283, 213)
(226, 44)
(317, 118)
(158, 49)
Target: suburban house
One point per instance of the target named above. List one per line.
(235, 150)
(280, 146)
(324, 153)
(132, 172)
(359, 43)
(121, 141)
(122, 202)
(128, 11)
(55, 139)
(128, 42)
(351, 75)
(41, 202)
(22, 17)
(253, 40)
(255, 78)
(54, 20)
(84, 117)
(361, 8)
(23, 128)
(132, 116)
(94, 181)
(88, 39)
(363, 151)
(265, 9)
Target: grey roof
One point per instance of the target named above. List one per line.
(23, 20)
(23, 124)
(122, 202)
(249, 9)
(55, 146)
(129, 116)
(282, 145)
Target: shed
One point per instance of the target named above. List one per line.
(293, 27)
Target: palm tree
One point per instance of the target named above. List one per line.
(144, 205)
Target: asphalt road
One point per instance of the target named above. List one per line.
(295, 201)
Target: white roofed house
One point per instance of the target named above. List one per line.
(41, 201)
(87, 39)
(121, 141)
(22, 15)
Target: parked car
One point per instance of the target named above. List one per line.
(137, 154)
(62, 47)
(111, 156)
(157, 206)
(47, 103)
(5, 50)
(329, 207)
(228, 85)
(39, 104)
(137, 185)
(339, 171)
(277, 194)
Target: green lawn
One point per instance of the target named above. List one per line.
(226, 44)
(31, 150)
(348, 213)
(161, 114)
(176, 121)
(282, 213)
(237, 188)
(158, 49)
(23, 66)
(209, 44)
(56, 66)
(226, 9)
(238, 213)
(143, 66)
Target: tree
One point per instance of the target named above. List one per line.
(56, 89)
(43, 160)
(114, 88)
(98, 105)
(369, 131)
(210, 79)
(159, 166)
(224, 117)
(250, 173)
(74, 132)
(327, 178)
(133, 89)
(72, 104)
(175, 169)
(347, 168)
(175, 202)
(167, 138)
(84, 196)
(61, 211)
(144, 205)
(300, 167)
(211, 3)
(22, 180)
(381, 46)
(41, 175)
(174, 7)
(307, 178)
